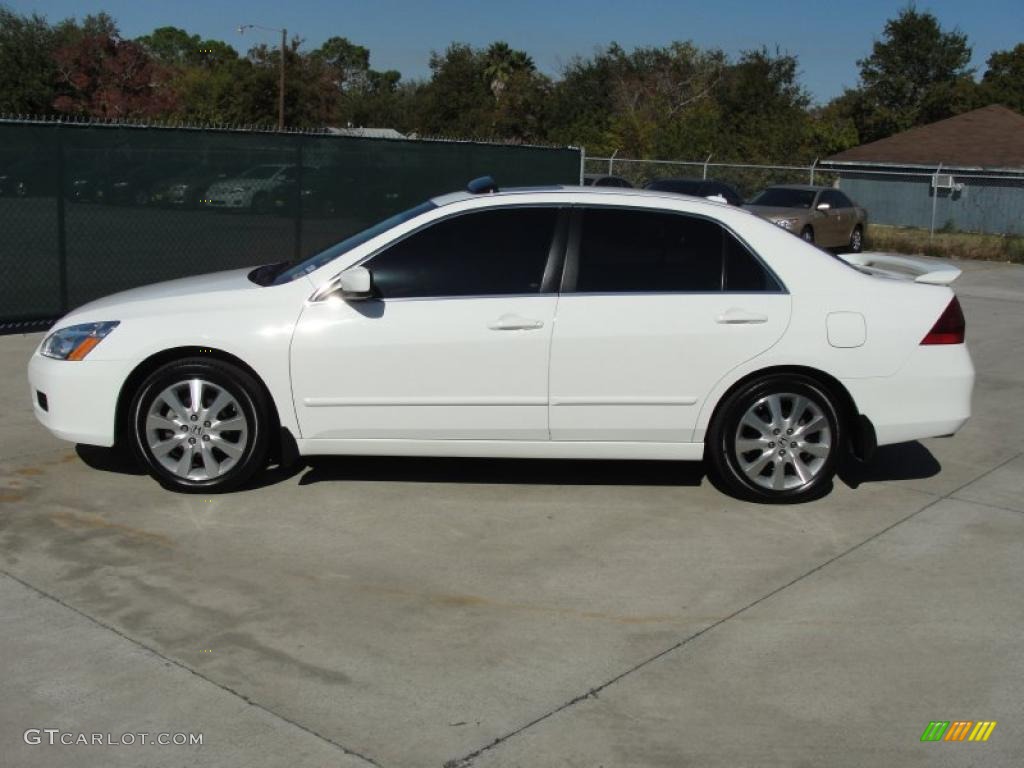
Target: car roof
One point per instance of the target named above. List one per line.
(513, 192)
(804, 187)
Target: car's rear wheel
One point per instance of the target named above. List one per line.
(857, 239)
(201, 425)
(807, 234)
(777, 439)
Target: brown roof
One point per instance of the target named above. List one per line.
(990, 137)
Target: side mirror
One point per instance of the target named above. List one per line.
(355, 284)
(823, 206)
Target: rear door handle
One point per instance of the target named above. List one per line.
(515, 323)
(740, 317)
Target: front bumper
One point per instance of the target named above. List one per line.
(929, 397)
(81, 397)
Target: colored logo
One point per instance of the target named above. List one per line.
(958, 730)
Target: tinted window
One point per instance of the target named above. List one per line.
(318, 260)
(783, 197)
(485, 253)
(842, 201)
(833, 199)
(651, 251)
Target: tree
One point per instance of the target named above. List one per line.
(763, 108)
(174, 47)
(1003, 81)
(501, 63)
(27, 68)
(99, 74)
(911, 76)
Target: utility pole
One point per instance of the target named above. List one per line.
(280, 86)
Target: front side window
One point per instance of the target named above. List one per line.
(485, 253)
(632, 251)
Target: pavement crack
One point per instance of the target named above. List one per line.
(200, 675)
(467, 760)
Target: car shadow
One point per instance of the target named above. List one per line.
(121, 461)
(500, 471)
(118, 460)
(902, 461)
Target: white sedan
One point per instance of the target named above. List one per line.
(535, 323)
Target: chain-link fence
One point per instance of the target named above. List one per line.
(745, 178)
(933, 200)
(87, 210)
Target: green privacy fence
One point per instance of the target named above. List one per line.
(88, 210)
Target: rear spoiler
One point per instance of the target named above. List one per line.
(906, 267)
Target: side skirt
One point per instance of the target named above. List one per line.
(503, 449)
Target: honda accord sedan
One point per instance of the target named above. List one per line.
(544, 323)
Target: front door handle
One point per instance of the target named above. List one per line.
(515, 323)
(740, 317)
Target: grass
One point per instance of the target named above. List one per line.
(955, 245)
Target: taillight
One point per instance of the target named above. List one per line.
(949, 328)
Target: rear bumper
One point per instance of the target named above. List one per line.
(929, 397)
(81, 397)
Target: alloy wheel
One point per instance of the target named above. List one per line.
(196, 430)
(783, 441)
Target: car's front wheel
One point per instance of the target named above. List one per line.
(201, 425)
(776, 439)
(807, 234)
(857, 239)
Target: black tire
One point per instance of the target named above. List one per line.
(807, 234)
(857, 239)
(726, 461)
(248, 397)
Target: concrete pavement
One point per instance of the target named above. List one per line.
(417, 612)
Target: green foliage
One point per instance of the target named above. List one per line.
(1003, 83)
(916, 74)
(678, 101)
(27, 67)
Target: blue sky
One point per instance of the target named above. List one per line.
(828, 37)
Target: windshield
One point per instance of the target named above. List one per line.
(261, 172)
(315, 262)
(781, 197)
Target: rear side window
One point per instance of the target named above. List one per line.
(628, 251)
(485, 253)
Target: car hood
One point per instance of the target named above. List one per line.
(772, 212)
(131, 301)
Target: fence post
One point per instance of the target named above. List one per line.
(62, 243)
(935, 199)
(583, 163)
(298, 197)
(611, 163)
(706, 161)
(813, 165)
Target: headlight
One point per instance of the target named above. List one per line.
(236, 190)
(179, 188)
(785, 223)
(76, 341)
